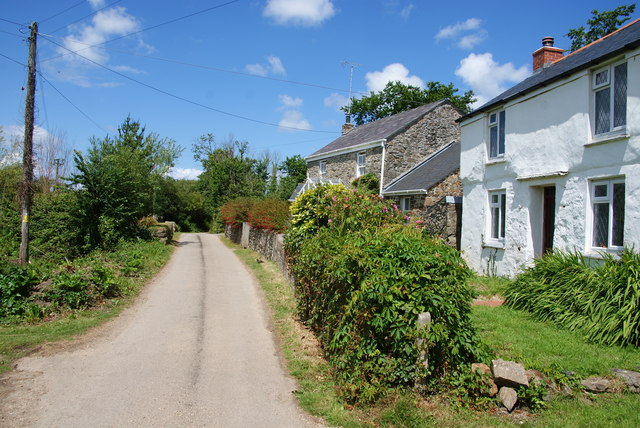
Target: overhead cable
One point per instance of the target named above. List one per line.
(178, 97)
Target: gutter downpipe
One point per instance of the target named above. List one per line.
(383, 143)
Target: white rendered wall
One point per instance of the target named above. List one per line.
(548, 137)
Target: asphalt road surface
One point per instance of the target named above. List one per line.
(195, 350)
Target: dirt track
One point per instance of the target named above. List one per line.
(195, 350)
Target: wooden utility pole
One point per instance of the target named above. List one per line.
(26, 189)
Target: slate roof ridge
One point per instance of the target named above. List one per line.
(377, 130)
(606, 36)
(569, 64)
(430, 158)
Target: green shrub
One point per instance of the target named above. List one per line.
(16, 284)
(602, 299)
(367, 183)
(69, 289)
(362, 279)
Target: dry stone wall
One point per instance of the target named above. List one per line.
(343, 166)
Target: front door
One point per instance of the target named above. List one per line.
(548, 218)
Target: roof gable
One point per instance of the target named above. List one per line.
(384, 128)
(429, 172)
(609, 46)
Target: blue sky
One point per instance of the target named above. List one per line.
(271, 72)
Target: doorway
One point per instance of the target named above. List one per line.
(548, 218)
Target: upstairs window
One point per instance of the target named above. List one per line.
(607, 206)
(497, 210)
(496, 134)
(323, 168)
(610, 98)
(360, 165)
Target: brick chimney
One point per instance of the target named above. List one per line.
(546, 55)
(347, 125)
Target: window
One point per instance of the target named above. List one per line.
(405, 203)
(496, 134)
(360, 165)
(323, 168)
(610, 98)
(607, 207)
(497, 209)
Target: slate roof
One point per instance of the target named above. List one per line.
(611, 45)
(429, 172)
(384, 128)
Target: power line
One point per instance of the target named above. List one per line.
(11, 59)
(86, 16)
(12, 34)
(60, 13)
(178, 97)
(13, 22)
(148, 28)
(206, 67)
(72, 104)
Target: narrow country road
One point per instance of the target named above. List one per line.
(195, 350)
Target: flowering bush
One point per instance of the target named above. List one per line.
(269, 214)
(362, 278)
(235, 212)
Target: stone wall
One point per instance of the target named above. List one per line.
(343, 166)
(435, 130)
(441, 209)
(444, 220)
(265, 242)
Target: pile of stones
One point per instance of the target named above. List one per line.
(508, 376)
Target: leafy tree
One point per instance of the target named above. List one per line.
(397, 97)
(294, 171)
(600, 24)
(118, 181)
(181, 201)
(229, 172)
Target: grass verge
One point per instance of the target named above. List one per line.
(20, 339)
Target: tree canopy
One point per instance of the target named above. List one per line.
(600, 24)
(397, 97)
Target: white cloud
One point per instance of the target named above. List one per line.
(335, 101)
(294, 119)
(465, 35)
(276, 65)
(306, 13)
(288, 101)
(273, 66)
(96, 4)
(11, 150)
(406, 11)
(486, 77)
(377, 80)
(105, 25)
(184, 173)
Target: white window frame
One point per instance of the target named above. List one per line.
(608, 83)
(496, 120)
(322, 168)
(361, 167)
(609, 201)
(496, 220)
(405, 203)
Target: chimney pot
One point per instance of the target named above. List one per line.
(546, 55)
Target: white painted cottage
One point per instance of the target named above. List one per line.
(554, 162)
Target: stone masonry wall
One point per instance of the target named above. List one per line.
(435, 130)
(442, 219)
(343, 167)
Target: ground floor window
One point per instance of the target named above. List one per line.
(607, 207)
(405, 203)
(497, 210)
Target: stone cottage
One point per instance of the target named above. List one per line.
(415, 155)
